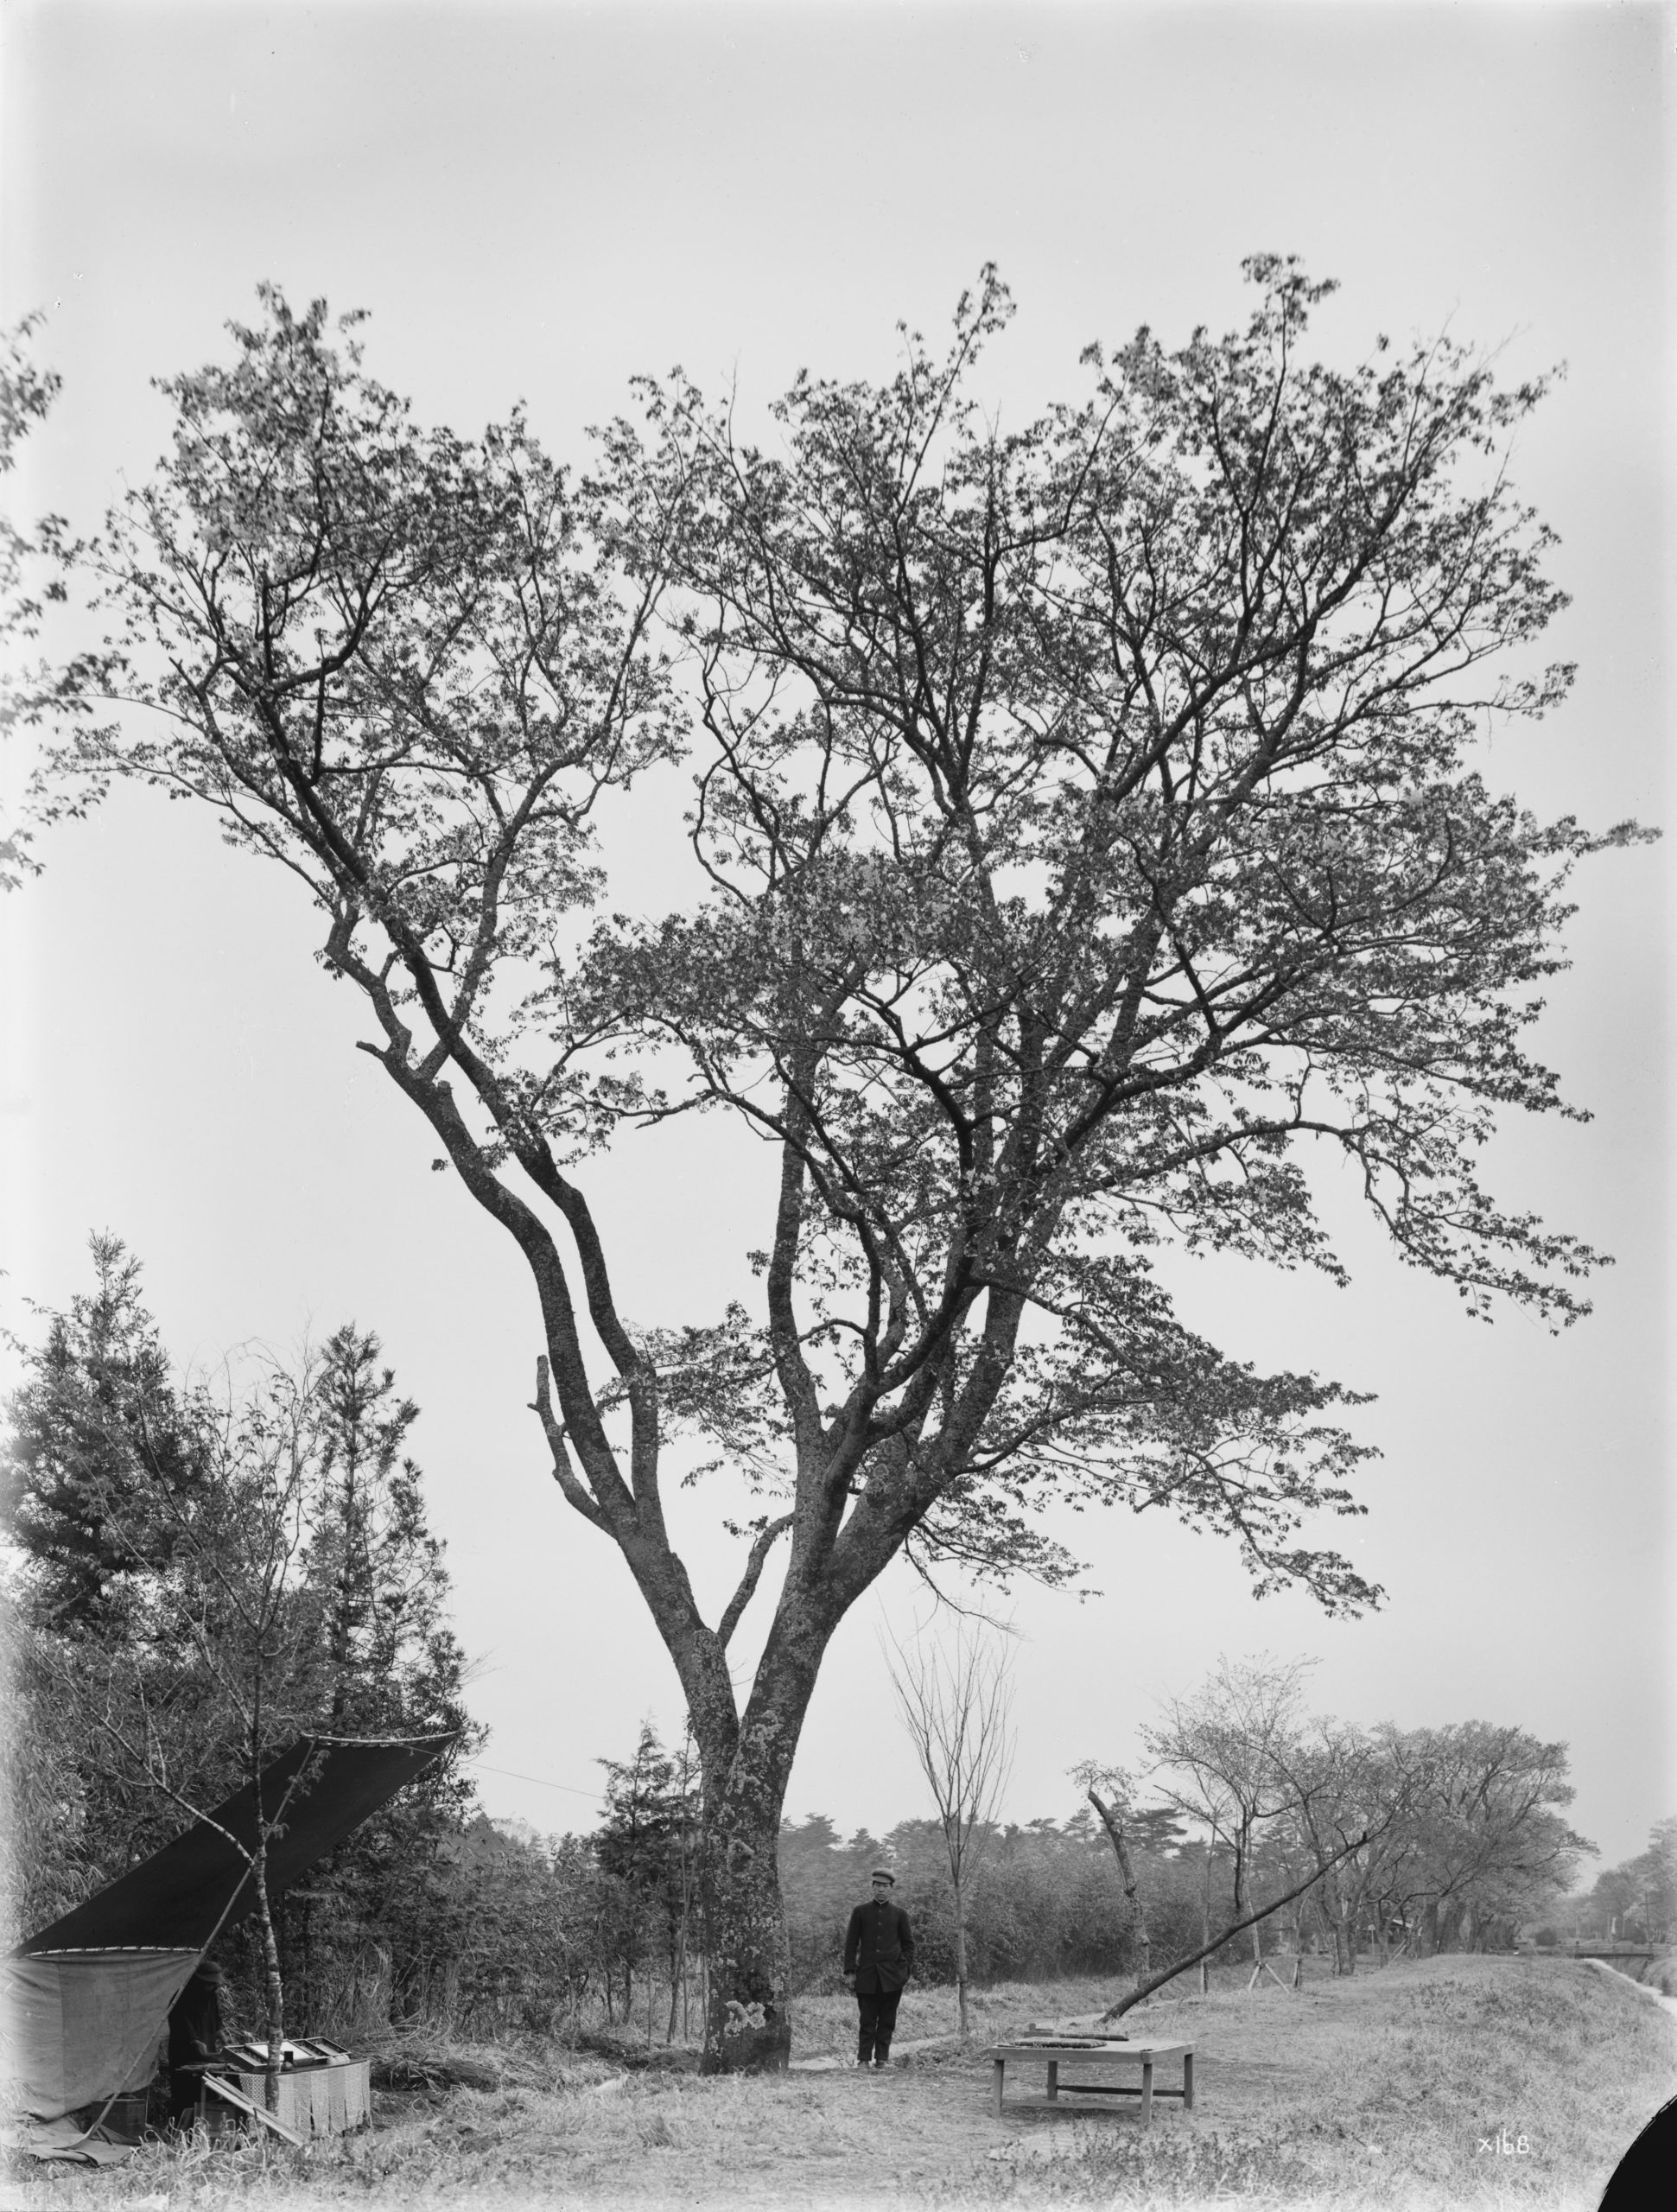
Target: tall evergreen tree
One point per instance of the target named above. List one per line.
(397, 1663)
(398, 1669)
(97, 1396)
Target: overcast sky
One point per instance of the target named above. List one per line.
(540, 202)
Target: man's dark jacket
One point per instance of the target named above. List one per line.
(879, 1947)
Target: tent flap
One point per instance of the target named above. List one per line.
(182, 1895)
(85, 2025)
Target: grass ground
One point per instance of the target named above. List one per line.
(1492, 2084)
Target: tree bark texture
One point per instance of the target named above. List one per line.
(748, 2027)
(273, 1983)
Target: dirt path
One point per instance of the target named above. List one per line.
(830, 2063)
(1659, 1997)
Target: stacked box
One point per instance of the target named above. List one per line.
(312, 2100)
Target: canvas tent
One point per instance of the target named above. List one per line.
(87, 1998)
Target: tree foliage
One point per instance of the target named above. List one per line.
(1638, 1898)
(27, 393)
(99, 1399)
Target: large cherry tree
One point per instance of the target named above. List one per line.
(1085, 828)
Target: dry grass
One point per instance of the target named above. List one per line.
(1380, 2092)
(1458, 2082)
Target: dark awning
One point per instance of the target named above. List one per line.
(200, 1883)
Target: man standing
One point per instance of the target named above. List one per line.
(879, 1955)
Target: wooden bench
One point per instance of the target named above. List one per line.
(1095, 2051)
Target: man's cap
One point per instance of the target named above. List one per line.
(884, 1874)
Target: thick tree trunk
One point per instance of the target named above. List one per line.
(747, 1765)
(748, 2027)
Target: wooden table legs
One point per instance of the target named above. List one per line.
(1145, 2093)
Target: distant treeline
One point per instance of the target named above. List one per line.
(1635, 1902)
(182, 1553)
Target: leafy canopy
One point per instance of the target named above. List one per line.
(1086, 825)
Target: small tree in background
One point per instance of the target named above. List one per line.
(1490, 1843)
(1221, 1753)
(956, 1701)
(1348, 1784)
(1639, 1896)
(648, 1842)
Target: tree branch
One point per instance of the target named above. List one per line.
(748, 1580)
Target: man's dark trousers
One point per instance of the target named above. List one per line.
(879, 2020)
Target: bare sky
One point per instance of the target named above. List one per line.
(539, 202)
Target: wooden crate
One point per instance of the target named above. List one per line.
(312, 2100)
